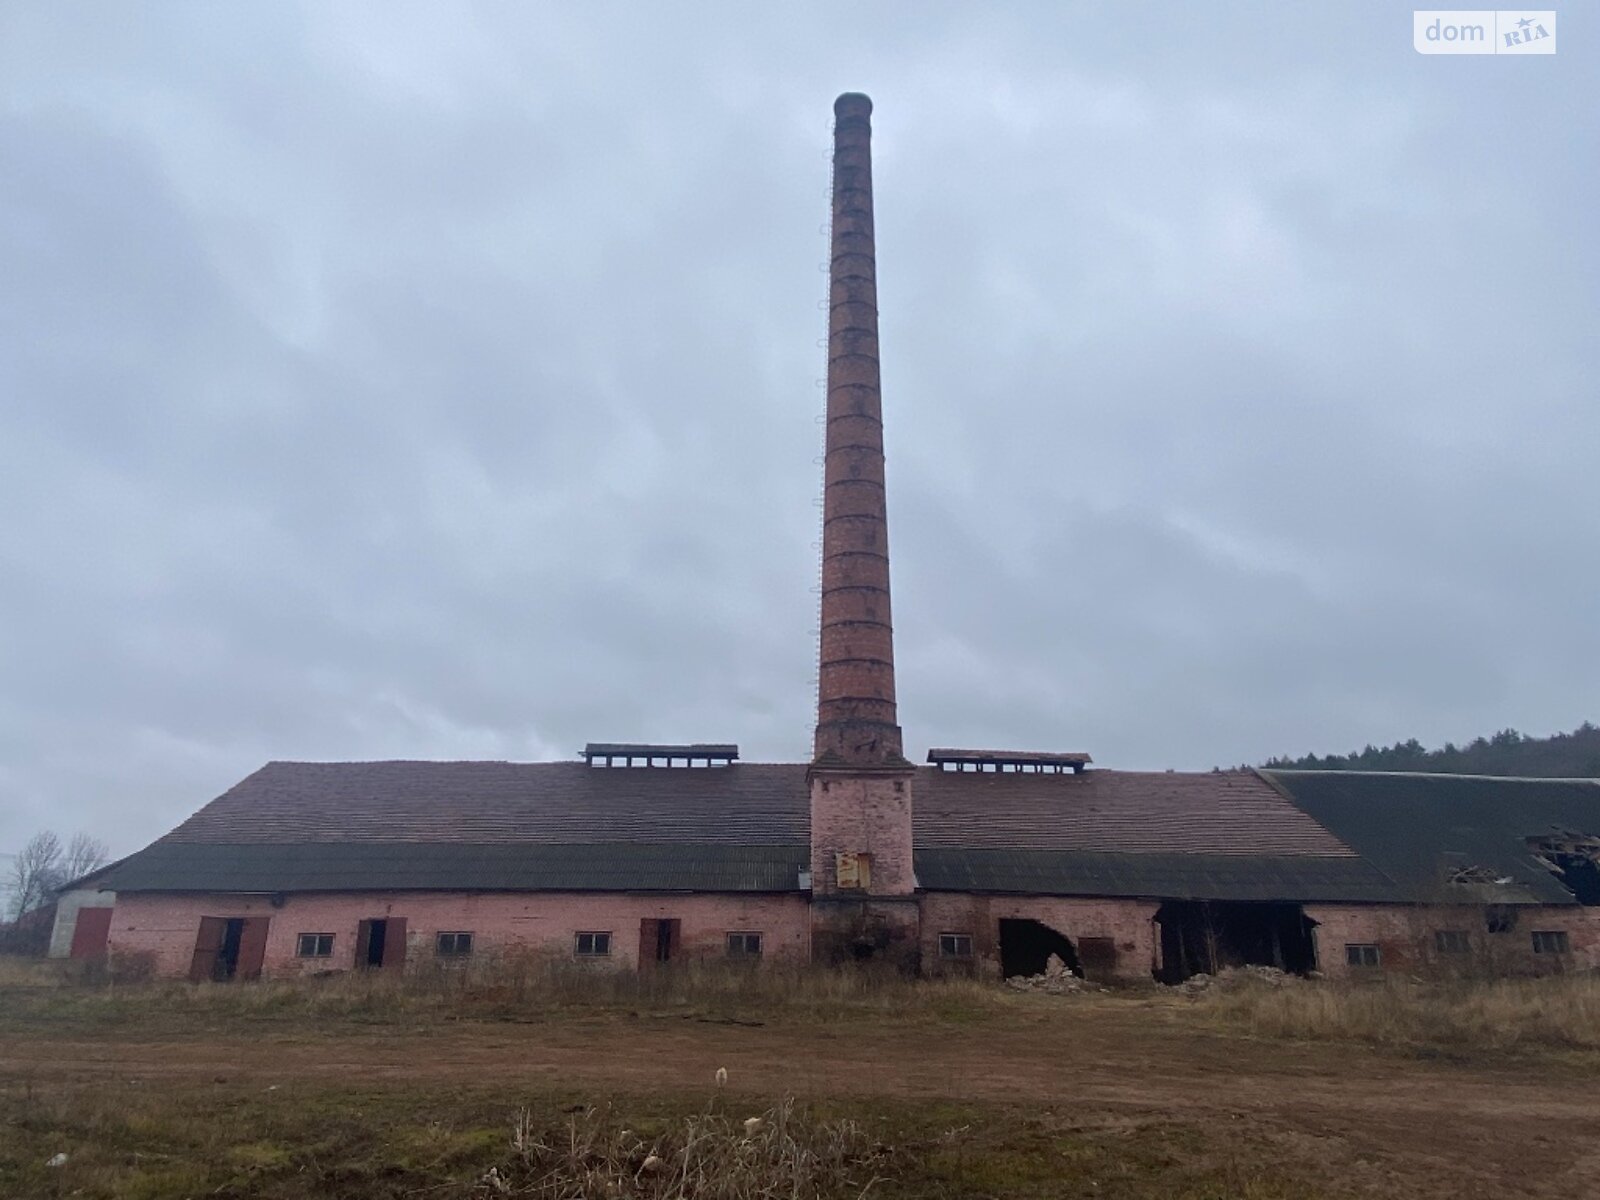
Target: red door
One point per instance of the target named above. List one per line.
(252, 947)
(649, 935)
(90, 932)
(658, 941)
(394, 944)
(206, 948)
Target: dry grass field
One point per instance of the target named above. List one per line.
(552, 1083)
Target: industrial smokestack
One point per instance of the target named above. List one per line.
(856, 722)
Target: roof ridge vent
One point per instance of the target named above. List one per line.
(1011, 762)
(648, 754)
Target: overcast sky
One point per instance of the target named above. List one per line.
(442, 382)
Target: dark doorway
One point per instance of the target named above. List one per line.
(226, 965)
(381, 942)
(659, 941)
(1026, 946)
(369, 943)
(1200, 937)
(229, 948)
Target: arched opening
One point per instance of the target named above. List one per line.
(1026, 946)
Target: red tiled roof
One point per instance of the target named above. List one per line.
(1126, 812)
(488, 802)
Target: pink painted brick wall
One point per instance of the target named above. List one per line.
(1405, 937)
(866, 813)
(1130, 924)
(166, 925)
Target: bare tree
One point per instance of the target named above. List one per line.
(84, 854)
(36, 873)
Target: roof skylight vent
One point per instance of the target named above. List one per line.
(645, 754)
(1009, 762)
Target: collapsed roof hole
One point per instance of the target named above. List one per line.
(1200, 937)
(1470, 876)
(1026, 946)
(1575, 860)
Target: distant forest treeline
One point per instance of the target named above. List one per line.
(1564, 755)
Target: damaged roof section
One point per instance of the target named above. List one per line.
(1574, 858)
(1462, 838)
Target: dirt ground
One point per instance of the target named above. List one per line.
(1360, 1121)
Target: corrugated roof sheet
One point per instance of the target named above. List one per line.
(1163, 876)
(453, 866)
(1417, 829)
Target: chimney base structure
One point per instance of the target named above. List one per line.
(862, 883)
(863, 887)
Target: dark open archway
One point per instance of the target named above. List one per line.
(1201, 937)
(1026, 946)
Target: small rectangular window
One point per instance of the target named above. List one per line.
(453, 945)
(955, 945)
(1550, 941)
(1363, 954)
(1452, 941)
(315, 945)
(744, 945)
(592, 945)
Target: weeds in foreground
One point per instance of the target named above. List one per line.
(1556, 1013)
(1560, 1013)
(709, 1155)
(124, 1141)
(510, 987)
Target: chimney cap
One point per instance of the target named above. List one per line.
(853, 104)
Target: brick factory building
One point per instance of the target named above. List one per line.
(976, 860)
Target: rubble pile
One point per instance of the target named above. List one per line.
(1056, 980)
(1234, 977)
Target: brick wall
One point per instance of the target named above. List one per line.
(165, 926)
(862, 813)
(1406, 938)
(1128, 924)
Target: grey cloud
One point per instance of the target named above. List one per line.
(412, 382)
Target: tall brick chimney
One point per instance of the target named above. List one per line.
(863, 877)
(856, 722)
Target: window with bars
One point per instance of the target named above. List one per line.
(315, 945)
(744, 944)
(453, 945)
(592, 944)
(1362, 954)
